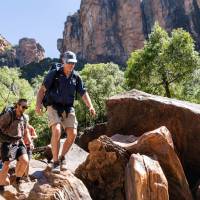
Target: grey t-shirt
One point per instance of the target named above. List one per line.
(14, 129)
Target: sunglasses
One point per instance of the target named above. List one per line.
(25, 107)
(70, 63)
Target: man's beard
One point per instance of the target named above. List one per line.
(21, 112)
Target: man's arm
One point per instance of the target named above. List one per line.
(33, 132)
(40, 96)
(88, 103)
(28, 136)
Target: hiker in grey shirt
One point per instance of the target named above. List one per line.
(12, 131)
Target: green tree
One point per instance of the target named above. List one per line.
(164, 62)
(40, 123)
(12, 87)
(190, 90)
(102, 81)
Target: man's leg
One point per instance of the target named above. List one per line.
(55, 141)
(22, 163)
(71, 136)
(55, 146)
(70, 125)
(21, 166)
(4, 180)
(29, 152)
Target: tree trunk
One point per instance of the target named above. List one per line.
(166, 85)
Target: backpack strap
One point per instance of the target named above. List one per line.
(77, 82)
(11, 118)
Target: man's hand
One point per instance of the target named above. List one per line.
(40, 96)
(32, 146)
(92, 111)
(38, 109)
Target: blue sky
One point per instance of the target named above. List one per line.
(39, 19)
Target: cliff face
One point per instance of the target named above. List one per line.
(109, 30)
(7, 53)
(27, 51)
(4, 44)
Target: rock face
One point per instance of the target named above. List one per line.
(148, 167)
(158, 144)
(7, 53)
(51, 187)
(29, 51)
(141, 112)
(46, 185)
(103, 172)
(90, 134)
(109, 30)
(145, 179)
(4, 44)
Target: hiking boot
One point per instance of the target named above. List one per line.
(2, 189)
(63, 164)
(55, 168)
(26, 179)
(18, 185)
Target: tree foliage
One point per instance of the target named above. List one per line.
(102, 81)
(34, 69)
(164, 63)
(12, 87)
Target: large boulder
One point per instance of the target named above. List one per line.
(145, 179)
(74, 157)
(103, 172)
(90, 134)
(136, 112)
(50, 186)
(46, 185)
(158, 143)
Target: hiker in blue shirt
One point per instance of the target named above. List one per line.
(59, 88)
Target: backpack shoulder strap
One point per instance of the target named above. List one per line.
(76, 74)
(12, 117)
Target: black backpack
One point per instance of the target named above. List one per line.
(54, 66)
(46, 101)
(9, 109)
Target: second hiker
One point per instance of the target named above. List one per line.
(12, 130)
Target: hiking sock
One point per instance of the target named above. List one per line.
(1, 188)
(56, 162)
(62, 157)
(18, 179)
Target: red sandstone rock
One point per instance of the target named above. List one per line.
(141, 112)
(109, 30)
(158, 143)
(145, 179)
(29, 51)
(49, 186)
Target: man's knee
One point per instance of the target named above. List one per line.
(23, 159)
(56, 131)
(6, 165)
(71, 133)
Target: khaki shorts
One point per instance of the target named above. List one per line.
(68, 121)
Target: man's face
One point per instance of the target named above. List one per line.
(69, 66)
(22, 107)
